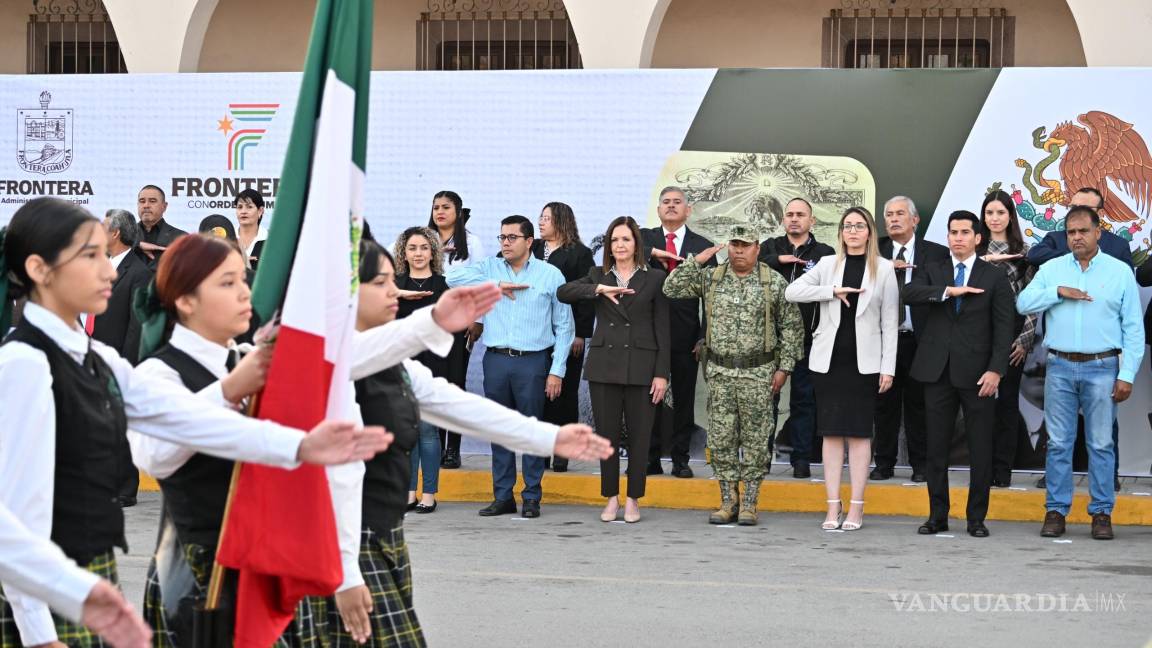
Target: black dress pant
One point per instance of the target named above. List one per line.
(684, 368)
(632, 405)
(904, 401)
(942, 401)
(566, 408)
(1007, 422)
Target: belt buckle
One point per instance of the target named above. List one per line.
(515, 353)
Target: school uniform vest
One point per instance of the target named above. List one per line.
(196, 494)
(386, 399)
(91, 449)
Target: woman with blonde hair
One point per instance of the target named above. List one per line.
(853, 355)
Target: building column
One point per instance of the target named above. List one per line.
(1114, 32)
(615, 33)
(161, 36)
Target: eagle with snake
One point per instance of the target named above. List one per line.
(1105, 148)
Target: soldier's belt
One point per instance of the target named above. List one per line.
(742, 362)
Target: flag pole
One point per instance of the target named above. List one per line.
(216, 582)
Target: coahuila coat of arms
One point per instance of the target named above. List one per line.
(45, 137)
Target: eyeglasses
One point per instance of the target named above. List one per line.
(854, 227)
(511, 238)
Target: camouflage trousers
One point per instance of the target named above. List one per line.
(742, 423)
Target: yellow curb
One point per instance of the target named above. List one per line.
(784, 496)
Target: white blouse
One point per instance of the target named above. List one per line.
(154, 408)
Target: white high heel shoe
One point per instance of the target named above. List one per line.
(830, 525)
(853, 526)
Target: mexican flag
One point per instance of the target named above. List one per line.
(280, 531)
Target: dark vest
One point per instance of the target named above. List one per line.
(91, 449)
(386, 399)
(195, 495)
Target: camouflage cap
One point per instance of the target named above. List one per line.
(743, 232)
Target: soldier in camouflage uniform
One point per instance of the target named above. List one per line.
(753, 338)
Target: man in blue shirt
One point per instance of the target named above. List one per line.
(1055, 245)
(528, 334)
(1095, 339)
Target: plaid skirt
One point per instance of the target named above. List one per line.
(71, 634)
(301, 633)
(388, 575)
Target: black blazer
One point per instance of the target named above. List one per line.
(118, 327)
(687, 329)
(1144, 278)
(573, 261)
(632, 343)
(925, 252)
(975, 340)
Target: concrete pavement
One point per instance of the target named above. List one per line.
(567, 579)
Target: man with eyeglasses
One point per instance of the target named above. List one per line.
(528, 336)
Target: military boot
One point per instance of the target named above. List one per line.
(748, 503)
(728, 506)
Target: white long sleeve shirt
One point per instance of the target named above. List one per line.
(389, 344)
(39, 568)
(153, 408)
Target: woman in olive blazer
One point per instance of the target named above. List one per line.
(628, 357)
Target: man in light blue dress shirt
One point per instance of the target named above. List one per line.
(528, 336)
(1095, 338)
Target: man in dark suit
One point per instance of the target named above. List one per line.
(793, 254)
(905, 400)
(118, 326)
(156, 234)
(964, 345)
(667, 245)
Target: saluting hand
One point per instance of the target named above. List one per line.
(842, 292)
(415, 294)
(902, 265)
(612, 293)
(957, 291)
(997, 258)
(1073, 293)
(459, 308)
(665, 255)
(510, 289)
(576, 441)
(706, 255)
(106, 613)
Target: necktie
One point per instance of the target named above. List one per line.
(670, 248)
(233, 359)
(959, 282)
(901, 277)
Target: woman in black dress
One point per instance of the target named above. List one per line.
(420, 279)
(853, 355)
(559, 244)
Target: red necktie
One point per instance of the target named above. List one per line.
(670, 248)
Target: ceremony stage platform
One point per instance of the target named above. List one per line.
(781, 492)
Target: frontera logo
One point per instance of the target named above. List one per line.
(250, 130)
(44, 141)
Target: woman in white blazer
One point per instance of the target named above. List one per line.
(850, 365)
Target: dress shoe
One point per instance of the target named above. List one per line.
(412, 505)
(977, 530)
(424, 508)
(1102, 526)
(932, 527)
(654, 468)
(611, 510)
(531, 509)
(1001, 482)
(880, 474)
(499, 507)
(1053, 525)
(682, 471)
(127, 501)
(451, 459)
(1042, 483)
(559, 464)
(631, 511)
(919, 477)
(801, 471)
